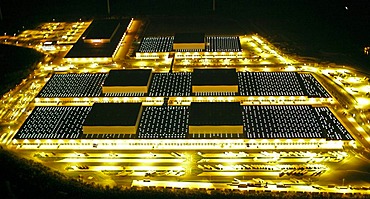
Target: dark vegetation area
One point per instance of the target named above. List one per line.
(16, 63)
(23, 178)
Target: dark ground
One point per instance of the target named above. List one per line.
(14, 69)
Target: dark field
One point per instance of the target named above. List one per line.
(13, 69)
(216, 25)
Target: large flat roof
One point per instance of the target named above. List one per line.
(135, 77)
(189, 38)
(102, 29)
(82, 49)
(203, 77)
(113, 114)
(215, 114)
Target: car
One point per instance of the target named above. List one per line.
(246, 166)
(177, 154)
(180, 173)
(235, 182)
(341, 187)
(238, 167)
(168, 172)
(150, 173)
(317, 187)
(259, 180)
(242, 186)
(331, 185)
(294, 180)
(70, 168)
(83, 167)
(242, 154)
(219, 167)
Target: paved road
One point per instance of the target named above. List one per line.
(137, 163)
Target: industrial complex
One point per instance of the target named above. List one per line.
(223, 105)
(185, 93)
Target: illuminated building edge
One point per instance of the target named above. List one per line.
(226, 144)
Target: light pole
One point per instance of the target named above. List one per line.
(108, 7)
(1, 15)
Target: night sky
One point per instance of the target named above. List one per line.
(18, 10)
(316, 25)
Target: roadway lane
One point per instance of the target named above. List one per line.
(140, 161)
(127, 41)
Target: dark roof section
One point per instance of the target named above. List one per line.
(215, 114)
(113, 114)
(136, 77)
(102, 29)
(189, 38)
(82, 49)
(203, 77)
